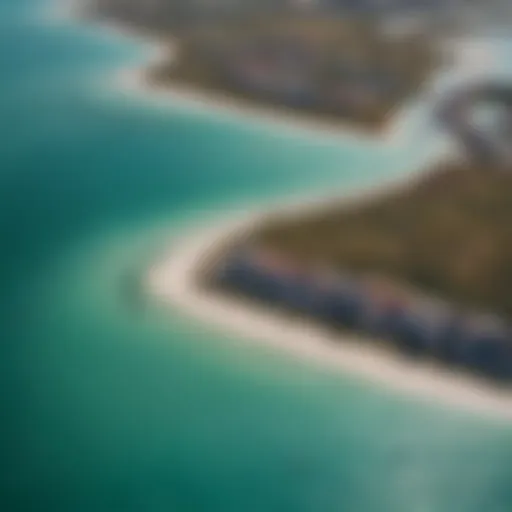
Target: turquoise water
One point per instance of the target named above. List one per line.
(110, 406)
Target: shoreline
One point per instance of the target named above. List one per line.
(137, 81)
(171, 281)
(470, 63)
(57, 12)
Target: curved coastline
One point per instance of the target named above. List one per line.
(172, 278)
(172, 281)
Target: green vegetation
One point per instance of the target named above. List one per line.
(449, 235)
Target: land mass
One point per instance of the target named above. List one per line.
(450, 234)
(426, 267)
(362, 269)
(322, 64)
(341, 70)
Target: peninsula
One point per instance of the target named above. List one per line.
(333, 70)
(336, 67)
(426, 268)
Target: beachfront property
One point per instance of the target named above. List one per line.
(424, 270)
(412, 324)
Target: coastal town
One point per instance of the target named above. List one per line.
(424, 270)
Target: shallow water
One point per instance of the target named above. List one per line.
(113, 403)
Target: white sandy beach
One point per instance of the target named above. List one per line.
(171, 279)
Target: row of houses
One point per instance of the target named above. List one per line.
(416, 326)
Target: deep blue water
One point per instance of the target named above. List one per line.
(109, 406)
